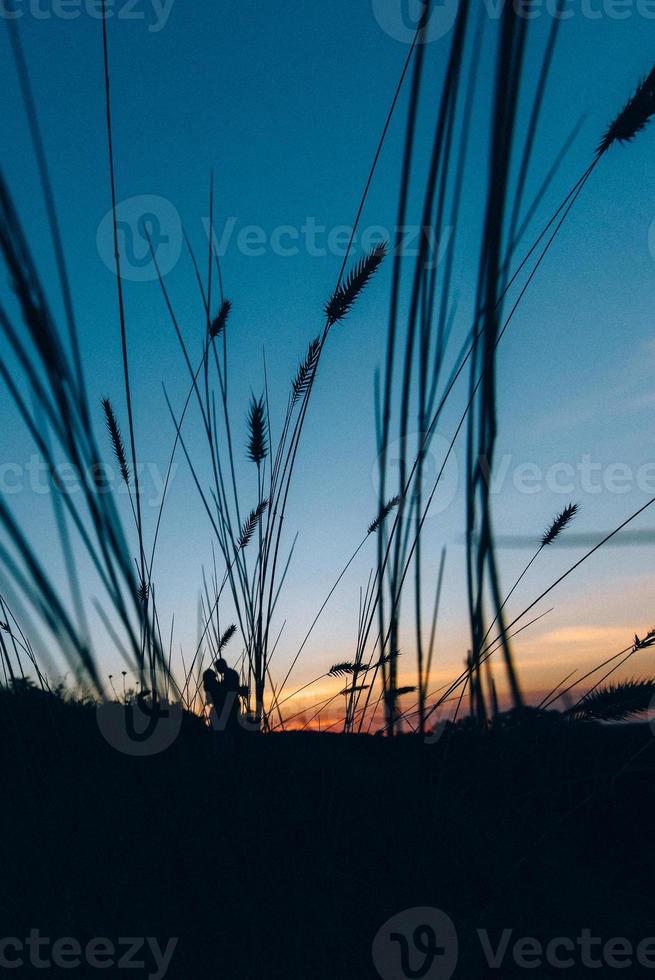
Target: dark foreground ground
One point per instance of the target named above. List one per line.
(285, 855)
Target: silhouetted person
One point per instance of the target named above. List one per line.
(214, 695)
(230, 691)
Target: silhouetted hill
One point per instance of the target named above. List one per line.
(283, 855)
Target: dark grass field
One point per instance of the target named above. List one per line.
(283, 855)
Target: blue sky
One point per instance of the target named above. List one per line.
(286, 102)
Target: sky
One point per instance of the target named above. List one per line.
(285, 104)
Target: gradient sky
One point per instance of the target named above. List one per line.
(286, 102)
